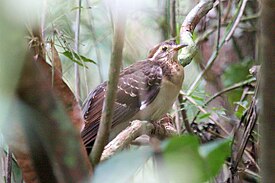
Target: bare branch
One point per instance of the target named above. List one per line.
(230, 88)
(173, 26)
(237, 21)
(115, 65)
(205, 112)
(160, 129)
(76, 47)
(184, 116)
(9, 166)
(125, 138)
(187, 29)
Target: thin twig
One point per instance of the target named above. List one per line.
(237, 21)
(93, 36)
(205, 112)
(228, 89)
(9, 165)
(178, 121)
(219, 25)
(250, 119)
(244, 94)
(233, 87)
(43, 17)
(229, 4)
(173, 26)
(212, 59)
(184, 116)
(76, 47)
(107, 111)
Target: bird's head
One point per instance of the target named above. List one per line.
(166, 51)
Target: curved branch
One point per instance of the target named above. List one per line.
(187, 29)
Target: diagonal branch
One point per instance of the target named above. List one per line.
(115, 65)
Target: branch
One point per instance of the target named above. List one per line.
(9, 166)
(125, 138)
(187, 29)
(161, 129)
(114, 70)
(249, 121)
(205, 112)
(237, 21)
(173, 30)
(184, 116)
(186, 59)
(233, 87)
(76, 47)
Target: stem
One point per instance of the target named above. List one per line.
(114, 70)
(173, 30)
(76, 47)
(233, 87)
(237, 21)
(9, 166)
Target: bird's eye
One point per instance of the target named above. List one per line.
(164, 48)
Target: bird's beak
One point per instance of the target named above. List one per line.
(179, 46)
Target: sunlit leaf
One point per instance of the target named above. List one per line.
(203, 116)
(121, 167)
(79, 59)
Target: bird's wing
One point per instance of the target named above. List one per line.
(138, 86)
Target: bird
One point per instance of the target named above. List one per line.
(146, 90)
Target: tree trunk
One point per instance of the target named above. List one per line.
(267, 117)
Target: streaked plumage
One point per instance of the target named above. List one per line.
(146, 90)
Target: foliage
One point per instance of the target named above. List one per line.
(183, 159)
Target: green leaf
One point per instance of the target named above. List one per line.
(122, 166)
(79, 59)
(206, 115)
(76, 8)
(187, 161)
(183, 161)
(197, 98)
(215, 154)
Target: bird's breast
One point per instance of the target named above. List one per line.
(169, 90)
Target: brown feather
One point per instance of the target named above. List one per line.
(138, 86)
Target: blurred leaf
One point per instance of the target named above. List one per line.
(122, 166)
(16, 172)
(188, 162)
(202, 116)
(243, 104)
(76, 8)
(239, 114)
(215, 154)
(236, 73)
(183, 161)
(79, 59)
(198, 98)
